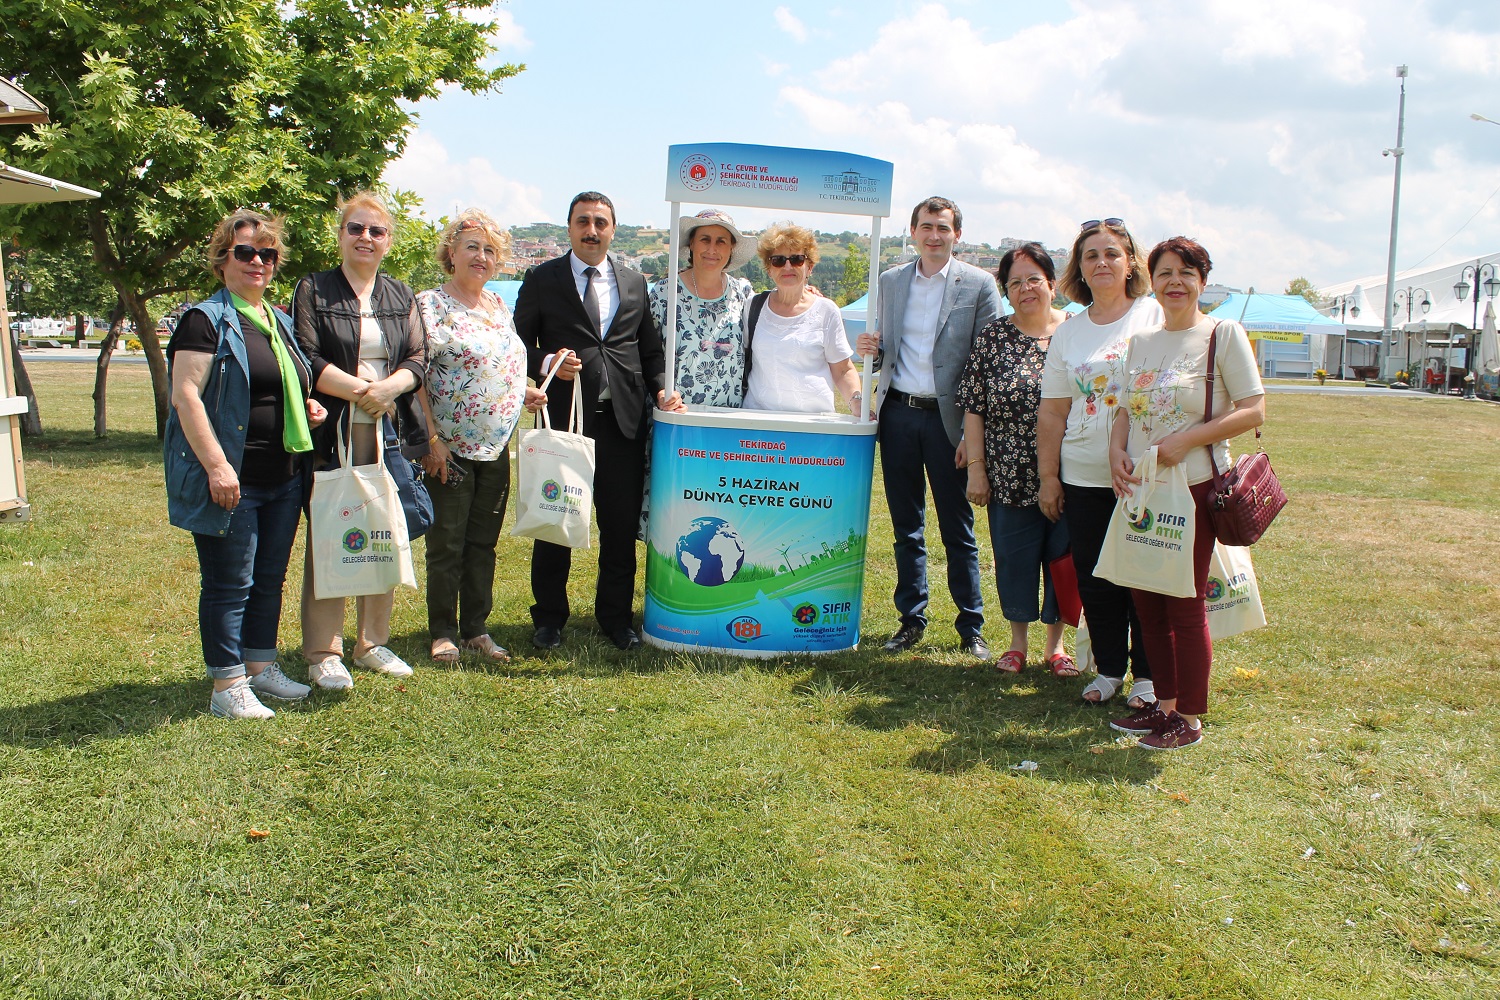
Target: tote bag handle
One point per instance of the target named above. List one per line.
(575, 415)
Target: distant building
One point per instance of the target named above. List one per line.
(1213, 294)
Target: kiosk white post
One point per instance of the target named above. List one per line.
(756, 542)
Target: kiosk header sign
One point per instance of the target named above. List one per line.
(779, 177)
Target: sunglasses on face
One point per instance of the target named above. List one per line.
(245, 253)
(1096, 223)
(358, 229)
(782, 260)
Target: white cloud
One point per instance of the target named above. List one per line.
(445, 183)
(508, 34)
(789, 23)
(1257, 127)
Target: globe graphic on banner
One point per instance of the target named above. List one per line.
(710, 553)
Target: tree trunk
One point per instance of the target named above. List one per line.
(145, 331)
(101, 369)
(80, 329)
(31, 420)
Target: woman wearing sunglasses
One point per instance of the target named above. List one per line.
(363, 334)
(1082, 384)
(236, 439)
(473, 395)
(798, 352)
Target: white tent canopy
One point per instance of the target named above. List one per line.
(1437, 282)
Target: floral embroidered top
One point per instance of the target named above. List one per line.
(1165, 383)
(1086, 366)
(476, 374)
(1002, 382)
(710, 341)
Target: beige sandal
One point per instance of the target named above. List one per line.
(444, 651)
(489, 649)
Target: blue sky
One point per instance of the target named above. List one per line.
(1257, 127)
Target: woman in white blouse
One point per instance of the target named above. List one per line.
(473, 394)
(1164, 405)
(1081, 386)
(799, 351)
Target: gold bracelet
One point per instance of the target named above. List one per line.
(433, 439)
(974, 462)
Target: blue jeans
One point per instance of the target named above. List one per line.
(1025, 543)
(239, 605)
(915, 450)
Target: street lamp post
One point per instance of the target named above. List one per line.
(1397, 151)
(1491, 287)
(1347, 305)
(1405, 296)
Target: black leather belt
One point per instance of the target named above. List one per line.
(919, 402)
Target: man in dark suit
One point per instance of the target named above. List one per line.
(588, 303)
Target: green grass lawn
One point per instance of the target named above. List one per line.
(659, 825)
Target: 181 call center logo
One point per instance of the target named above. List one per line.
(550, 490)
(698, 172)
(1144, 523)
(743, 629)
(806, 614)
(355, 540)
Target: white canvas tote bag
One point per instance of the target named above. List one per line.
(357, 529)
(1233, 594)
(1149, 544)
(555, 477)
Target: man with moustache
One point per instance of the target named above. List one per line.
(588, 303)
(929, 311)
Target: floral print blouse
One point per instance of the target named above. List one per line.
(710, 341)
(476, 374)
(1002, 382)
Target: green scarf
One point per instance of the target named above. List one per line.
(295, 435)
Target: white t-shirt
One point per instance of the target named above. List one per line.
(1164, 382)
(1086, 364)
(374, 359)
(790, 356)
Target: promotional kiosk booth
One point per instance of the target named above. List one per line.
(756, 539)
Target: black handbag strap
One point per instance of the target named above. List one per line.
(756, 305)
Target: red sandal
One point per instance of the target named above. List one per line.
(1062, 665)
(1010, 662)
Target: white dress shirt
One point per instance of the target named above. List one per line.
(919, 330)
(606, 287)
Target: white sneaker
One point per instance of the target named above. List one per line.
(237, 701)
(383, 661)
(272, 683)
(330, 674)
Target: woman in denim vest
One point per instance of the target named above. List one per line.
(234, 451)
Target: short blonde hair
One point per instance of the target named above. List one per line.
(787, 238)
(225, 235)
(370, 202)
(1137, 277)
(468, 221)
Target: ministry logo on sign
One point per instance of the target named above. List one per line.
(850, 182)
(698, 172)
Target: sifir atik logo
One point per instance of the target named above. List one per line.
(806, 614)
(1143, 524)
(1215, 589)
(550, 490)
(355, 540)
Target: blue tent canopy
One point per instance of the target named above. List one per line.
(1276, 314)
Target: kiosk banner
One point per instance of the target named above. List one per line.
(757, 538)
(780, 177)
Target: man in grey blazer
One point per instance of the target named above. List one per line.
(929, 311)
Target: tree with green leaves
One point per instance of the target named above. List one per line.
(856, 274)
(179, 111)
(1306, 289)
